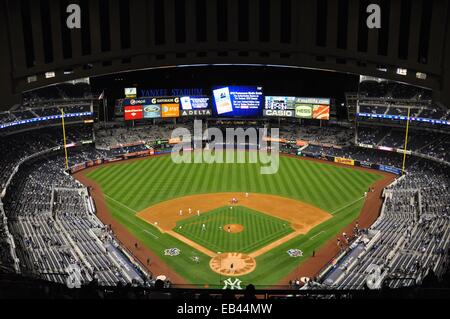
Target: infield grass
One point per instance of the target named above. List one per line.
(259, 229)
(129, 187)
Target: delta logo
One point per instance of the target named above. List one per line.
(133, 113)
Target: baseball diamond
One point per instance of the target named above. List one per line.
(187, 206)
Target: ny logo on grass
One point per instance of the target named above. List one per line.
(190, 148)
(232, 284)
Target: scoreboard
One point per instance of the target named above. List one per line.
(298, 107)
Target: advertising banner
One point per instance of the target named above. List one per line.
(133, 102)
(130, 92)
(313, 100)
(279, 113)
(280, 103)
(401, 151)
(77, 168)
(304, 111)
(365, 164)
(304, 107)
(390, 169)
(137, 154)
(175, 140)
(301, 143)
(385, 148)
(273, 139)
(345, 161)
(321, 112)
(132, 113)
(205, 112)
(170, 110)
(365, 145)
(152, 111)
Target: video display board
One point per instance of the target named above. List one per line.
(238, 101)
(299, 107)
(130, 92)
(194, 102)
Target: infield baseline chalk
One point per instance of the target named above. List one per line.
(148, 232)
(339, 209)
(310, 238)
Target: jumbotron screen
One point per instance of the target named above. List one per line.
(299, 107)
(238, 101)
(194, 102)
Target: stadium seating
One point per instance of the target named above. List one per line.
(412, 233)
(47, 213)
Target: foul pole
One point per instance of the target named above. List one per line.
(406, 141)
(64, 138)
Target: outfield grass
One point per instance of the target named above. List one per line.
(259, 229)
(129, 187)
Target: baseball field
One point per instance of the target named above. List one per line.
(202, 224)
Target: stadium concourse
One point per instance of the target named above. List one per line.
(48, 221)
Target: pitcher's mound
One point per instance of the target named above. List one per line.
(233, 228)
(233, 264)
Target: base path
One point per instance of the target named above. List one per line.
(301, 216)
(191, 243)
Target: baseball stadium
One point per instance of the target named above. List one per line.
(277, 148)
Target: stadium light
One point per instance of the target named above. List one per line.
(421, 75)
(401, 71)
(49, 75)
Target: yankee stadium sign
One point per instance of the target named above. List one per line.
(171, 92)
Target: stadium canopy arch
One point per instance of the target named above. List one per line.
(123, 35)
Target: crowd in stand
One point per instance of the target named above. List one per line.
(53, 228)
(434, 144)
(390, 98)
(410, 239)
(50, 95)
(18, 147)
(116, 135)
(27, 114)
(318, 135)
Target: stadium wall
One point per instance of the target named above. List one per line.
(121, 35)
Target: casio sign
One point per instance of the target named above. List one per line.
(280, 113)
